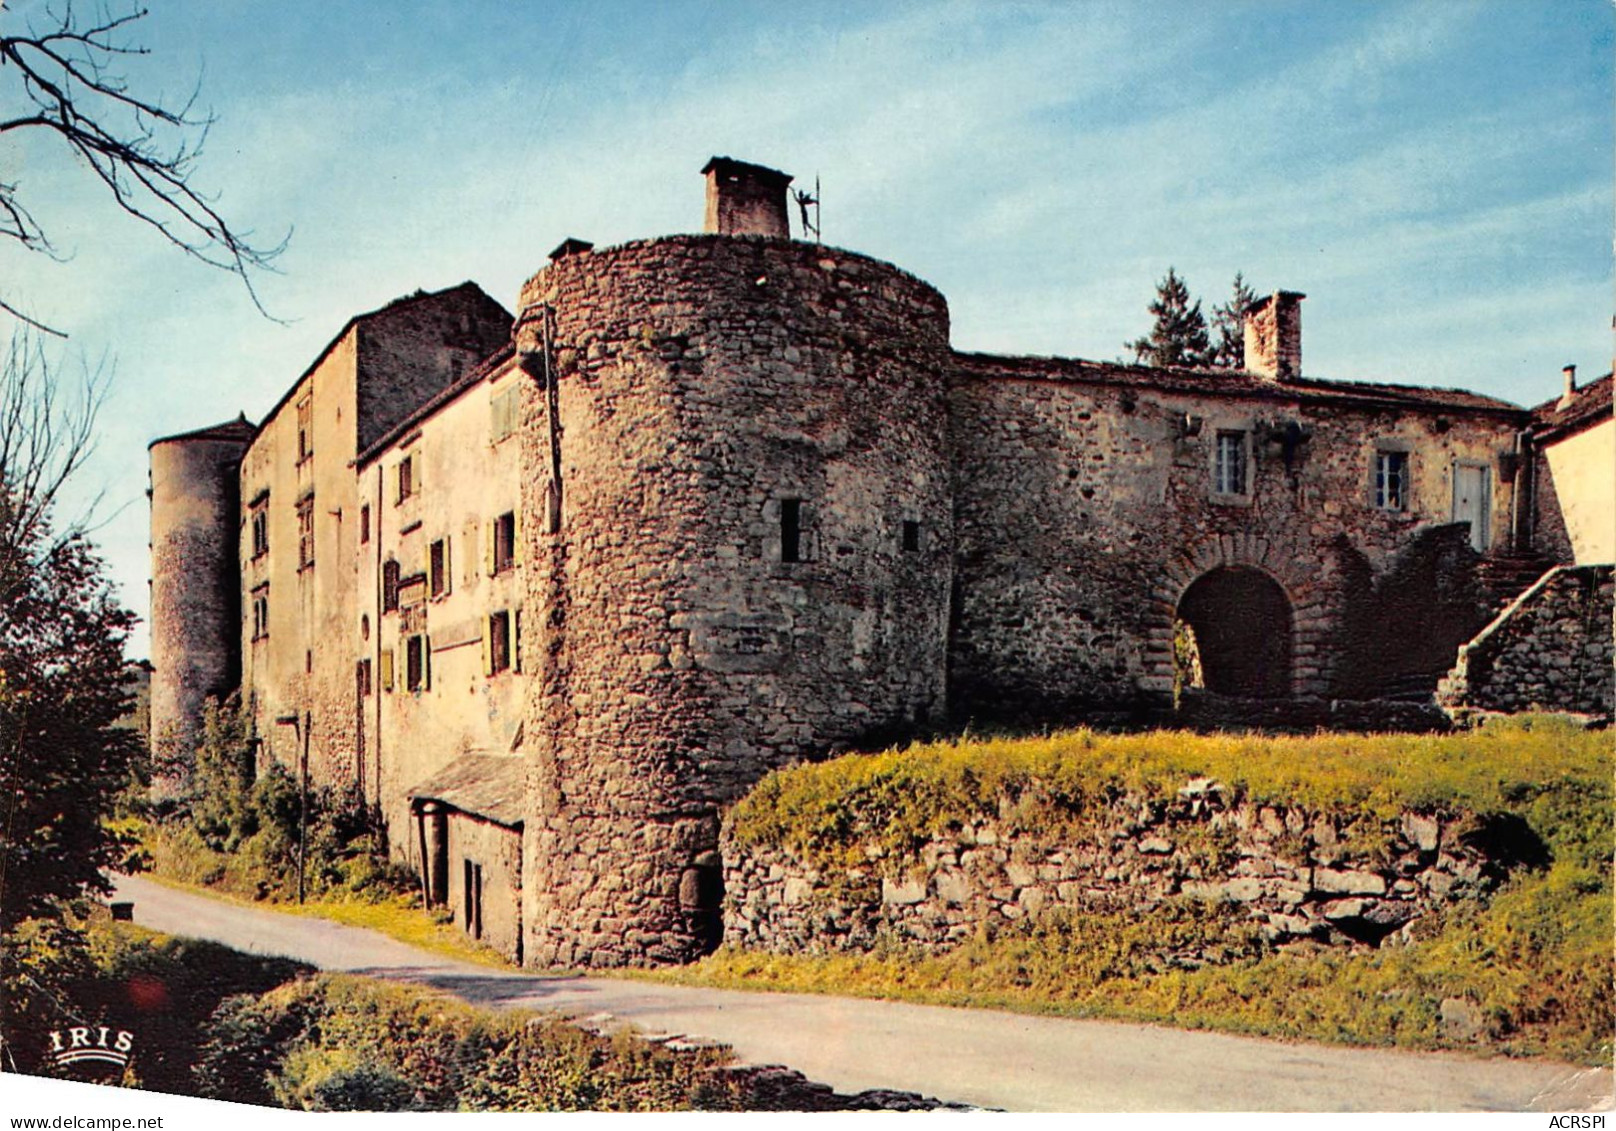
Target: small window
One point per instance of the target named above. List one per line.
(417, 664)
(406, 477)
(504, 408)
(438, 568)
(390, 576)
(1391, 480)
(364, 524)
(305, 533)
(260, 612)
(499, 642)
(911, 537)
(504, 542)
(791, 530)
(260, 530)
(1229, 466)
(305, 428)
(362, 678)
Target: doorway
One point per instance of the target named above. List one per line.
(1240, 624)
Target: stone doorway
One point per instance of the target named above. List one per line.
(1241, 626)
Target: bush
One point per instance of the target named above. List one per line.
(344, 1043)
(244, 835)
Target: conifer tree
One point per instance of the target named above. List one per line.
(1229, 326)
(1179, 337)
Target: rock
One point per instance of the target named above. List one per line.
(902, 892)
(1243, 891)
(1020, 874)
(1461, 1019)
(797, 890)
(1425, 833)
(1338, 909)
(1156, 846)
(952, 887)
(1348, 883)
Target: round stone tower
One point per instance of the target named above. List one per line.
(738, 555)
(196, 578)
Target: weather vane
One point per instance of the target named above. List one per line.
(805, 201)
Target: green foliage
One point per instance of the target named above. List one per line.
(1536, 959)
(1178, 337)
(244, 835)
(342, 1043)
(1229, 326)
(63, 761)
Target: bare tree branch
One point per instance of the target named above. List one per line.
(47, 432)
(142, 150)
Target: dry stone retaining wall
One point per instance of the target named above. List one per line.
(1551, 648)
(1301, 873)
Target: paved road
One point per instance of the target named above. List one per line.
(973, 1056)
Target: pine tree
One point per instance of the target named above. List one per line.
(1179, 336)
(1229, 325)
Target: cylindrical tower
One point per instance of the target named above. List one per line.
(739, 552)
(196, 579)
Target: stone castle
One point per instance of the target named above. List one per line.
(552, 590)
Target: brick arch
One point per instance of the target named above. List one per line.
(1287, 563)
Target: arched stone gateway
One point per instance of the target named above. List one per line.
(1243, 630)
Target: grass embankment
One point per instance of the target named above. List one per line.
(366, 896)
(1534, 961)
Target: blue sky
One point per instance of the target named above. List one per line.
(1437, 177)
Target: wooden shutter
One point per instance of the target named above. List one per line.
(488, 647)
(516, 535)
(426, 662)
(387, 669)
(516, 640)
(448, 567)
(490, 529)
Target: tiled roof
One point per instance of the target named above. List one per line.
(1227, 382)
(238, 429)
(485, 785)
(1589, 405)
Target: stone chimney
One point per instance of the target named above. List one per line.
(1274, 336)
(745, 200)
(1570, 394)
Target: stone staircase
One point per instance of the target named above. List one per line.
(1503, 577)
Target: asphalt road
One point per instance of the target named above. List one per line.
(973, 1056)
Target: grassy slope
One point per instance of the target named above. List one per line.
(1536, 960)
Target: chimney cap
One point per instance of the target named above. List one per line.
(572, 245)
(725, 166)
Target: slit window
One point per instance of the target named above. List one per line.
(438, 568)
(260, 612)
(305, 428)
(260, 530)
(390, 586)
(791, 530)
(1391, 480)
(305, 533)
(504, 542)
(362, 678)
(364, 524)
(1229, 464)
(911, 536)
(406, 477)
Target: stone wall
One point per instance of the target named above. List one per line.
(685, 393)
(1085, 511)
(1300, 873)
(195, 598)
(1550, 650)
(498, 851)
